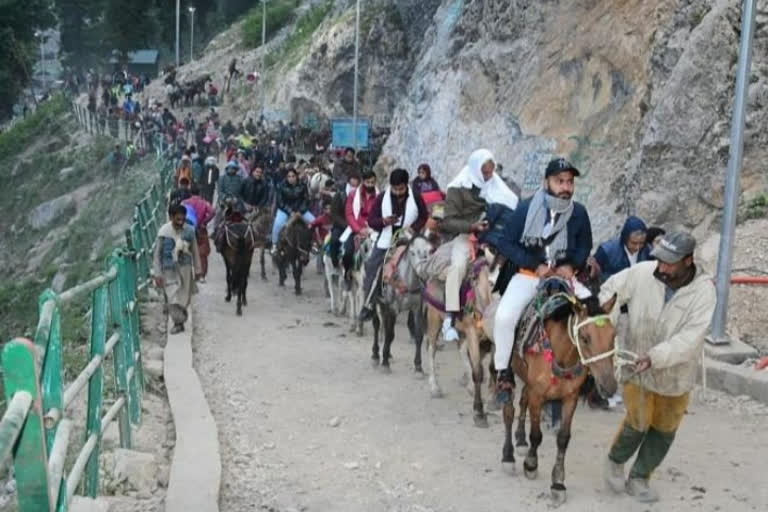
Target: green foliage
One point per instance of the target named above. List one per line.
(279, 13)
(757, 208)
(18, 46)
(48, 116)
(302, 34)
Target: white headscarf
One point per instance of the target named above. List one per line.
(494, 190)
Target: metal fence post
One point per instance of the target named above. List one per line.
(117, 316)
(133, 317)
(95, 385)
(126, 327)
(30, 463)
(51, 368)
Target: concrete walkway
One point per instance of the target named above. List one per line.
(196, 467)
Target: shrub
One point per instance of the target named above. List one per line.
(279, 13)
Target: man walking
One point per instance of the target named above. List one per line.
(670, 303)
(176, 265)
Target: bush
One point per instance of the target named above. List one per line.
(279, 13)
(45, 119)
(305, 27)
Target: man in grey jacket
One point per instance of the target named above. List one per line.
(670, 304)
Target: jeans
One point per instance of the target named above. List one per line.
(281, 218)
(372, 265)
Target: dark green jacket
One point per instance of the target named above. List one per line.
(463, 207)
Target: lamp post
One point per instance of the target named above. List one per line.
(724, 262)
(357, 58)
(191, 33)
(178, 14)
(263, 78)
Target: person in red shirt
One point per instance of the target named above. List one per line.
(359, 205)
(204, 212)
(321, 226)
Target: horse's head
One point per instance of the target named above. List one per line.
(593, 334)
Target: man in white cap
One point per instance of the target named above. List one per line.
(670, 304)
(467, 198)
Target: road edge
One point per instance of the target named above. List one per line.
(195, 477)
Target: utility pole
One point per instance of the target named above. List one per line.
(725, 260)
(357, 58)
(263, 78)
(178, 14)
(191, 34)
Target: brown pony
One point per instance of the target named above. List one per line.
(473, 344)
(577, 338)
(260, 220)
(293, 248)
(238, 244)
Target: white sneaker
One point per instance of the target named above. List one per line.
(449, 333)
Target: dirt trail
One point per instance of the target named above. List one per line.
(276, 378)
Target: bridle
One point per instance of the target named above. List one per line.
(621, 357)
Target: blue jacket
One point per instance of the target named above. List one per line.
(611, 255)
(579, 240)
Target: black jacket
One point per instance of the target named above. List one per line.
(292, 198)
(256, 192)
(579, 240)
(210, 175)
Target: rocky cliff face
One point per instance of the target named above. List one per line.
(637, 93)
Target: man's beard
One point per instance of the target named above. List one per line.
(674, 281)
(370, 189)
(561, 195)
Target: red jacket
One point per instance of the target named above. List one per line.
(356, 224)
(204, 212)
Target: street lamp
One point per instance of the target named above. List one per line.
(41, 36)
(357, 58)
(178, 14)
(262, 79)
(191, 33)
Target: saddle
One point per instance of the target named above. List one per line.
(389, 269)
(553, 294)
(435, 289)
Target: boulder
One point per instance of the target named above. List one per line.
(138, 469)
(46, 213)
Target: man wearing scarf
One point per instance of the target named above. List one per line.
(398, 207)
(177, 265)
(469, 194)
(548, 234)
(357, 209)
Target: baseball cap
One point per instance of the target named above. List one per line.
(673, 247)
(559, 165)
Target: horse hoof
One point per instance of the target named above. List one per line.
(227, 299)
(531, 474)
(264, 278)
(481, 421)
(374, 362)
(297, 292)
(239, 312)
(436, 393)
(419, 374)
(558, 494)
(521, 449)
(385, 369)
(509, 468)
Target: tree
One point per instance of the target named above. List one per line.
(80, 23)
(128, 25)
(19, 19)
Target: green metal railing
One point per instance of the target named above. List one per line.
(35, 430)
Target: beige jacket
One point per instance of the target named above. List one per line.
(672, 334)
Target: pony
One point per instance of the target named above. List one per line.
(294, 247)
(473, 345)
(260, 220)
(552, 356)
(401, 293)
(239, 242)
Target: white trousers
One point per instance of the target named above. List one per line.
(520, 291)
(456, 273)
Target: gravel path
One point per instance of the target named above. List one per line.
(306, 423)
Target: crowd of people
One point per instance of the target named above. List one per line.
(664, 301)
